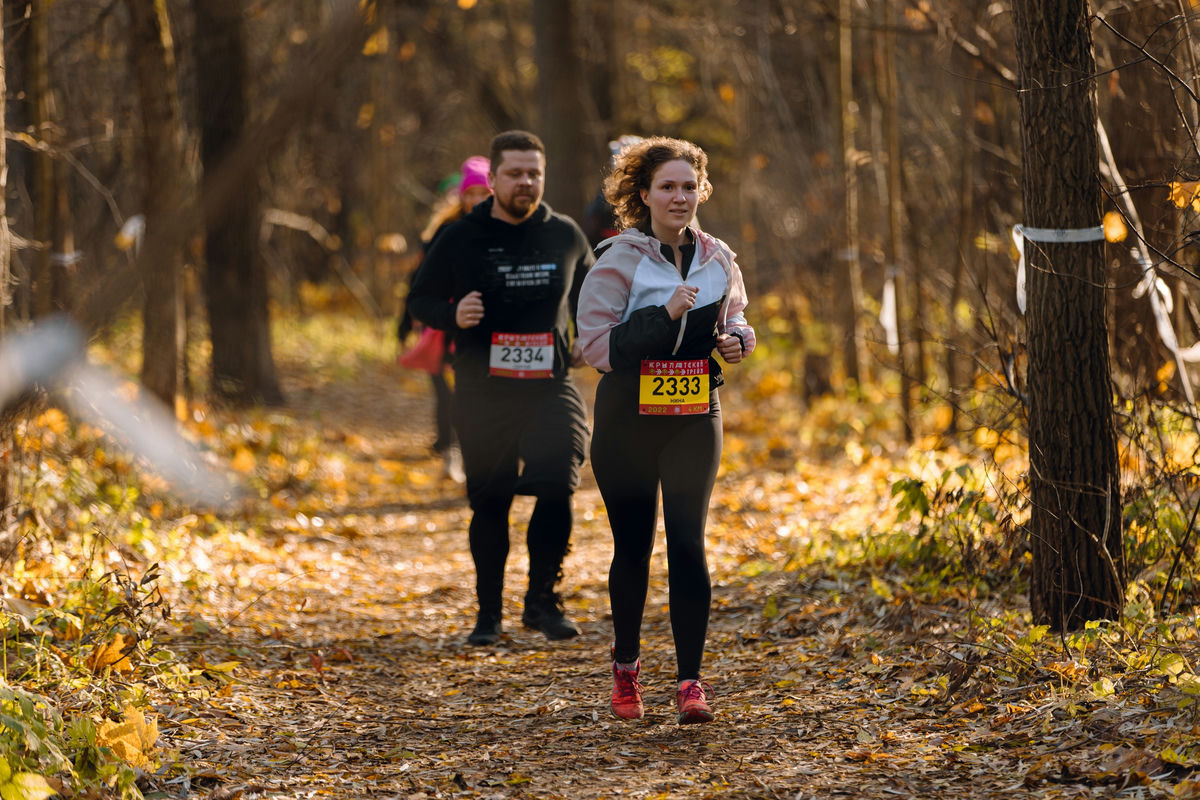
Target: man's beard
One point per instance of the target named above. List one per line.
(519, 206)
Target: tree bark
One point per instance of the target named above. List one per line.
(888, 93)
(243, 368)
(850, 302)
(41, 277)
(7, 419)
(161, 256)
(1078, 570)
(568, 181)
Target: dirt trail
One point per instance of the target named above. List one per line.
(354, 680)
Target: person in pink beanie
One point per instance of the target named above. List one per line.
(472, 189)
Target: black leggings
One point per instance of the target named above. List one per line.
(632, 456)
(442, 420)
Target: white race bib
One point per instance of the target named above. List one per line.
(522, 355)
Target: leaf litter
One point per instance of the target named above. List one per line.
(331, 614)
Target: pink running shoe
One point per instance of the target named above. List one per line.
(693, 698)
(627, 692)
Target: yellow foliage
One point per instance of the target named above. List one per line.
(942, 417)
(773, 383)
(132, 740)
(377, 43)
(112, 655)
(243, 460)
(53, 420)
(1114, 227)
(987, 438)
(1185, 192)
(22, 785)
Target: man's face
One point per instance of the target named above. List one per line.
(517, 183)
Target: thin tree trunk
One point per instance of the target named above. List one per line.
(852, 292)
(7, 419)
(966, 215)
(895, 209)
(37, 57)
(1078, 570)
(161, 256)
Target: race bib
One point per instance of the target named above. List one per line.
(522, 355)
(673, 387)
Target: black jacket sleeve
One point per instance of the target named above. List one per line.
(647, 332)
(431, 298)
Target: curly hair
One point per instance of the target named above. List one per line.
(634, 168)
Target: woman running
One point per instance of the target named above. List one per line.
(661, 298)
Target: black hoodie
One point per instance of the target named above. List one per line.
(529, 275)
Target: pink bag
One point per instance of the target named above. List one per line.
(427, 354)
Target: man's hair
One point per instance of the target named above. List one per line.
(514, 140)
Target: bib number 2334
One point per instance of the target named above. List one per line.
(522, 355)
(673, 387)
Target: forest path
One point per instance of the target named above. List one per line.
(354, 680)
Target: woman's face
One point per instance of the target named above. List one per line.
(673, 195)
(473, 196)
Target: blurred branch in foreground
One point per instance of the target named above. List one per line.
(51, 355)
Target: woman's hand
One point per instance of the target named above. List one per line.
(730, 348)
(682, 300)
(469, 312)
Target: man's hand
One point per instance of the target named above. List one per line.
(577, 356)
(469, 312)
(730, 348)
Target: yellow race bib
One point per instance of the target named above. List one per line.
(673, 387)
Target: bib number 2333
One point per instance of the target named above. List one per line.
(673, 387)
(522, 355)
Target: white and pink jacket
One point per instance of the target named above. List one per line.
(622, 315)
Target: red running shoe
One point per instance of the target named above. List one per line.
(627, 692)
(693, 698)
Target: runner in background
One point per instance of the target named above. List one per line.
(661, 298)
(504, 281)
(599, 222)
(470, 188)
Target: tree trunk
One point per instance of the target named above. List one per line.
(850, 300)
(160, 260)
(888, 91)
(243, 368)
(41, 278)
(7, 419)
(955, 379)
(569, 182)
(1078, 570)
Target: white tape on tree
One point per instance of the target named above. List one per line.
(1051, 235)
(888, 316)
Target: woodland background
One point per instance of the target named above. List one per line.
(228, 196)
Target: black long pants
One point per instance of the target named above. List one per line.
(632, 457)
(526, 437)
(442, 420)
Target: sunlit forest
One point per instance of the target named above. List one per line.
(952, 542)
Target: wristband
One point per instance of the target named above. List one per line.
(741, 341)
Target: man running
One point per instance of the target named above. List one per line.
(504, 281)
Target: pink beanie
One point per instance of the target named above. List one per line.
(474, 173)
